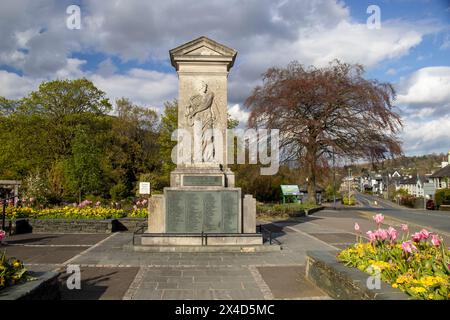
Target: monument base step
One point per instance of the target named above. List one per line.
(192, 242)
(205, 249)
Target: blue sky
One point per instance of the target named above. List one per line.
(123, 46)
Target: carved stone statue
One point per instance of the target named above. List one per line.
(200, 110)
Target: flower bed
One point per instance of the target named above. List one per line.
(418, 265)
(12, 271)
(73, 213)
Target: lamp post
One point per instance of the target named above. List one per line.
(349, 179)
(334, 182)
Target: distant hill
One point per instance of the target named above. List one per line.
(406, 164)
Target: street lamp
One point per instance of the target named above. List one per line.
(349, 179)
(334, 182)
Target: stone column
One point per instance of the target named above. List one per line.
(249, 212)
(202, 66)
(156, 214)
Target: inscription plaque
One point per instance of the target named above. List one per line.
(177, 217)
(209, 211)
(191, 181)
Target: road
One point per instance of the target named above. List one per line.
(438, 220)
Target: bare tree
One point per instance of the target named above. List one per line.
(320, 111)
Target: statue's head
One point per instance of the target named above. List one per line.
(204, 87)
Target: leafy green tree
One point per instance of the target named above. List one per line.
(84, 169)
(134, 148)
(169, 123)
(60, 98)
(62, 105)
(232, 123)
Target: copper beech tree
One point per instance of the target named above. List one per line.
(321, 111)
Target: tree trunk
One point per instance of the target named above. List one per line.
(311, 158)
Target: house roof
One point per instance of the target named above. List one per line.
(412, 180)
(441, 173)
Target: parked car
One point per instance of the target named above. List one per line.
(430, 205)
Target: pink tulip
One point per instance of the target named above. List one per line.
(435, 240)
(382, 234)
(2, 235)
(356, 226)
(371, 236)
(379, 218)
(425, 234)
(392, 234)
(417, 237)
(404, 227)
(407, 246)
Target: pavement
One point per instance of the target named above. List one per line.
(110, 270)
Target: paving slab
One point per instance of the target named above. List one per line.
(55, 239)
(336, 238)
(289, 283)
(99, 283)
(42, 255)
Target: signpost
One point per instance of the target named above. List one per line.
(290, 190)
(144, 188)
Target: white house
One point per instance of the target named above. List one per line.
(441, 177)
(413, 184)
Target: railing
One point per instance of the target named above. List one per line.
(263, 230)
(5, 203)
(138, 231)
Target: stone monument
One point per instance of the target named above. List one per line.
(202, 206)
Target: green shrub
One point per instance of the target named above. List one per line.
(286, 209)
(441, 196)
(348, 201)
(118, 192)
(408, 201)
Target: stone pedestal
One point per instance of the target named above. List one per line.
(204, 177)
(157, 214)
(249, 214)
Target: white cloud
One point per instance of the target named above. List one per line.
(427, 136)
(237, 113)
(148, 88)
(429, 85)
(391, 72)
(424, 97)
(13, 86)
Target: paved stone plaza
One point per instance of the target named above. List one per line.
(110, 271)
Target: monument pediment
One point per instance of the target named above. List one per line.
(202, 49)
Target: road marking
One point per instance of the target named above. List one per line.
(312, 237)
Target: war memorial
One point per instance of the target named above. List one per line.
(202, 206)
